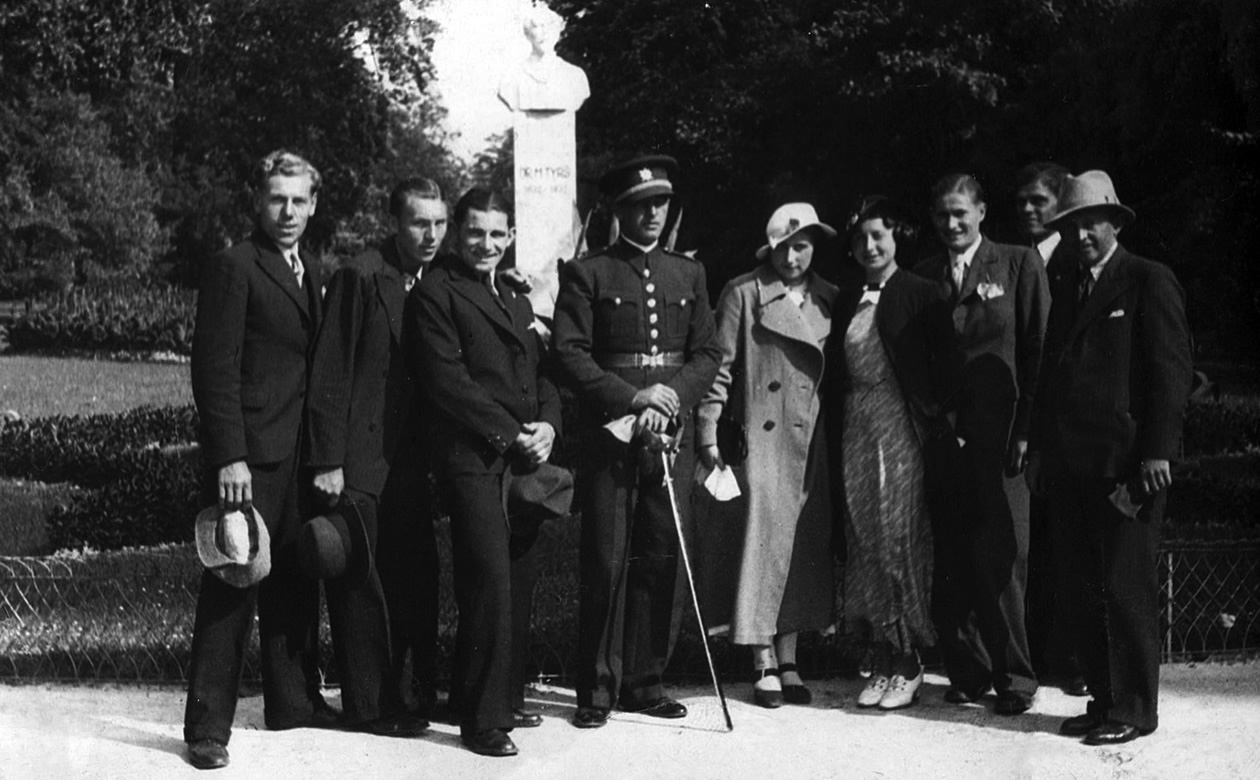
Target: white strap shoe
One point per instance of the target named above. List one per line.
(901, 692)
(874, 691)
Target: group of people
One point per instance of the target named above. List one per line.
(904, 421)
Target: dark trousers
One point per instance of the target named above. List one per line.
(495, 567)
(288, 618)
(1115, 593)
(359, 623)
(980, 524)
(631, 590)
(407, 561)
(1048, 616)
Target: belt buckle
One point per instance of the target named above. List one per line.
(652, 361)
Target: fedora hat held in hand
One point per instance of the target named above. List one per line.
(234, 546)
(538, 493)
(336, 544)
(1090, 190)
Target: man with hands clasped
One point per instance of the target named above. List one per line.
(634, 337)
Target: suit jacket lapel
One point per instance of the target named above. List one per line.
(977, 271)
(272, 264)
(1111, 284)
(390, 288)
(476, 293)
(777, 312)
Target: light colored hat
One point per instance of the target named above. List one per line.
(788, 220)
(234, 546)
(1089, 190)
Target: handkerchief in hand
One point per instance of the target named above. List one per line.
(721, 484)
(622, 428)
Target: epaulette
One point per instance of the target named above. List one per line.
(690, 254)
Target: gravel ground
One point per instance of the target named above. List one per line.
(1210, 728)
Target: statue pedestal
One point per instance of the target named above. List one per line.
(547, 224)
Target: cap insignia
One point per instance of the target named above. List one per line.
(645, 174)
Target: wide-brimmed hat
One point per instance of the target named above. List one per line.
(639, 177)
(234, 546)
(788, 220)
(335, 544)
(1090, 190)
(538, 493)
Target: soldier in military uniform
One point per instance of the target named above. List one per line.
(633, 336)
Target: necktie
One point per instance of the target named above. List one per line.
(1087, 286)
(296, 264)
(960, 273)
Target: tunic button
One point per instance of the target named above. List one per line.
(655, 333)
(650, 287)
(651, 303)
(652, 318)
(769, 426)
(774, 386)
(654, 349)
(647, 272)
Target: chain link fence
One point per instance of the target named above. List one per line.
(128, 616)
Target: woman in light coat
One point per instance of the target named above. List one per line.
(772, 325)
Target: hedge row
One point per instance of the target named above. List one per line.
(138, 493)
(152, 317)
(92, 451)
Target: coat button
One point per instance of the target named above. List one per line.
(652, 318)
(650, 287)
(774, 386)
(769, 426)
(651, 303)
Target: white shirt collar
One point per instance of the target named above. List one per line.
(965, 257)
(641, 247)
(1047, 245)
(1096, 269)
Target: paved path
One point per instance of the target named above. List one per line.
(1210, 728)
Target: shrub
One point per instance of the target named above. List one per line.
(1228, 424)
(134, 317)
(1215, 498)
(91, 451)
(137, 492)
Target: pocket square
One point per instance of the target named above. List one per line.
(989, 290)
(1116, 313)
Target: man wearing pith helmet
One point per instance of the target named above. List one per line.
(1116, 374)
(634, 338)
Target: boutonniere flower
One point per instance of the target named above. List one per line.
(989, 290)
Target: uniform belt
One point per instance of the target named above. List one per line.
(639, 360)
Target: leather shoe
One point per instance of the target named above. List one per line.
(1079, 725)
(394, 726)
(1012, 703)
(960, 696)
(1076, 686)
(1113, 732)
(207, 754)
(663, 707)
(590, 717)
(526, 719)
(794, 693)
(490, 742)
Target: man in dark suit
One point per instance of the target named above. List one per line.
(1117, 373)
(478, 357)
(257, 314)
(633, 335)
(1049, 621)
(991, 320)
(359, 432)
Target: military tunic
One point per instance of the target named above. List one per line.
(626, 319)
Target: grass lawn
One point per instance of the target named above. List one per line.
(42, 386)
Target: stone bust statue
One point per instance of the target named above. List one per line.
(544, 82)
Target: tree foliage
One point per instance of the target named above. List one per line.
(820, 100)
(192, 92)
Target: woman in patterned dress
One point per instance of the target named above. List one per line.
(884, 374)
